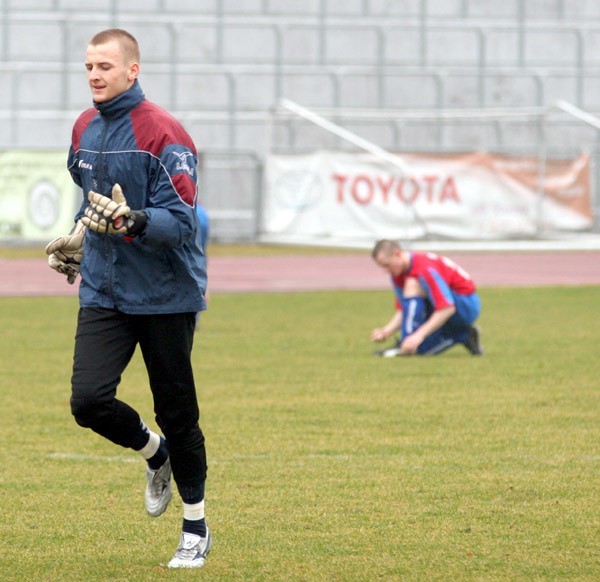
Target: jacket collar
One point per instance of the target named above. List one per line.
(123, 103)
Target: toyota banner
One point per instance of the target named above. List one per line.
(358, 197)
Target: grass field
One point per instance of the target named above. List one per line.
(325, 462)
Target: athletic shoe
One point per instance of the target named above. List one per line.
(388, 353)
(473, 343)
(158, 489)
(192, 551)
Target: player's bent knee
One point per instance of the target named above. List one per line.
(85, 411)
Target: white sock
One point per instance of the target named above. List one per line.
(193, 511)
(149, 450)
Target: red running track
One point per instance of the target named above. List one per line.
(333, 272)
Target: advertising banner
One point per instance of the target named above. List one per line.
(38, 199)
(356, 197)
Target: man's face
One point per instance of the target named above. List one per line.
(393, 264)
(109, 74)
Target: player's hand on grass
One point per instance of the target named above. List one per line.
(379, 335)
(65, 252)
(113, 215)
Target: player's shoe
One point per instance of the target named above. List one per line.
(192, 551)
(473, 343)
(390, 352)
(158, 489)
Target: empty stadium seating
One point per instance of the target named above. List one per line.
(219, 65)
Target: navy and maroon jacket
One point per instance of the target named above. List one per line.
(133, 142)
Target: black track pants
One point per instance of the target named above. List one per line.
(104, 344)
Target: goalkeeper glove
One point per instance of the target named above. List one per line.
(112, 215)
(65, 252)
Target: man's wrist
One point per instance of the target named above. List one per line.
(136, 222)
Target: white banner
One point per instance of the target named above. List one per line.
(475, 196)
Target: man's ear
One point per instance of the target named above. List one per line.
(134, 71)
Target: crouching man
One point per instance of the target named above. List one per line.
(436, 303)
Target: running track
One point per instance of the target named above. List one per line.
(334, 272)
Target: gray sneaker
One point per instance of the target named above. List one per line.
(473, 343)
(192, 551)
(158, 489)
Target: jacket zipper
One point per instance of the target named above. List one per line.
(101, 157)
(107, 244)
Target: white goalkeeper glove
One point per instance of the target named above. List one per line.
(112, 215)
(65, 252)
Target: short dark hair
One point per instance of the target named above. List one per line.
(385, 247)
(128, 42)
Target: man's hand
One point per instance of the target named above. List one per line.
(379, 334)
(113, 215)
(65, 252)
(410, 344)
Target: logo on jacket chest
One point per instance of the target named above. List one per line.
(182, 164)
(85, 165)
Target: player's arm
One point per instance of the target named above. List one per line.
(431, 286)
(380, 334)
(411, 343)
(170, 210)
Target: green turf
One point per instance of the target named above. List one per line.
(325, 462)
